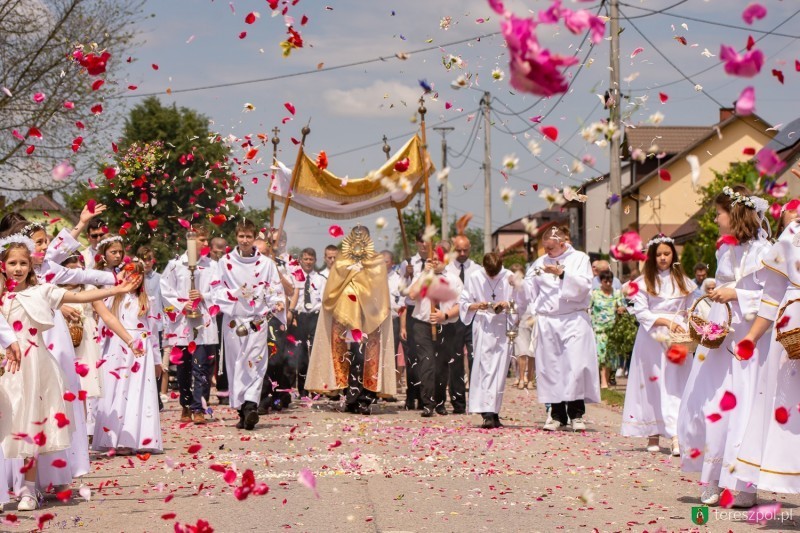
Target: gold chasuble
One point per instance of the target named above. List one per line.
(355, 308)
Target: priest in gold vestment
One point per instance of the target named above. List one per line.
(353, 350)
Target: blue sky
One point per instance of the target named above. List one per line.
(196, 43)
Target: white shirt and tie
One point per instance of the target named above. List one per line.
(309, 296)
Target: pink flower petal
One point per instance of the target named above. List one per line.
(746, 103)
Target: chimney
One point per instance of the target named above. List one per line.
(725, 113)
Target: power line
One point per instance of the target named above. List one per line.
(400, 136)
(305, 72)
(715, 65)
(710, 22)
(659, 11)
(687, 78)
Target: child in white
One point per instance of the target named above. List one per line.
(37, 392)
(655, 385)
(559, 287)
(710, 431)
(768, 454)
(127, 417)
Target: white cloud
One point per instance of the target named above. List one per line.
(376, 100)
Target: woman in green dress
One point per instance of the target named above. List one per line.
(604, 308)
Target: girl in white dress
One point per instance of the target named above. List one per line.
(127, 417)
(59, 343)
(768, 455)
(710, 425)
(35, 422)
(655, 385)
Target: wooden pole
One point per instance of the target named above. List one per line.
(295, 175)
(275, 142)
(406, 251)
(423, 153)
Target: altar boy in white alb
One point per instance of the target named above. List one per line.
(559, 287)
(487, 295)
(250, 293)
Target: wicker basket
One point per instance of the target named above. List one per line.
(76, 332)
(696, 322)
(681, 339)
(791, 338)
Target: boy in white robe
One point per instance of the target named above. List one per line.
(559, 285)
(249, 294)
(483, 305)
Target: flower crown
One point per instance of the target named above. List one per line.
(108, 240)
(18, 238)
(32, 228)
(759, 205)
(660, 239)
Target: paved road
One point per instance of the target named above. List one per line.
(394, 471)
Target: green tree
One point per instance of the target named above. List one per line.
(169, 171)
(702, 247)
(414, 222)
(37, 42)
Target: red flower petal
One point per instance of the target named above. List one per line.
(97, 84)
(61, 418)
(250, 18)
(59, 463)
(745, 349)
(335, 231)
(110, 173)
(551, 132)
(218, 219)
(728, 401)
(402, 165)
(781, 415)
(730, 240)
(714, 417)
(726, 499)
(290, 107)
(664, 174)
(194, 448)
(677, 354)
(663, 97)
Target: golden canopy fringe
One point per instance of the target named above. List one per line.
(320, 193)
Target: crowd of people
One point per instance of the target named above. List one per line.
(93, 336)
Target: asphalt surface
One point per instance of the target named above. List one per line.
(393, 471)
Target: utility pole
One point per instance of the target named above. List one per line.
(615, 171)
(443, 186)
(487, 173)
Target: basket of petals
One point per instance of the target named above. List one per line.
(707, 333)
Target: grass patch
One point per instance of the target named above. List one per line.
(612, 397)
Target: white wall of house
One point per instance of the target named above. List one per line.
(598, 219)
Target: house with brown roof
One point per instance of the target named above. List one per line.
(662, 197)
(46, 210)
(512, 238)
(658, 194)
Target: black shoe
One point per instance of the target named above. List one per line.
(409, 406)
(459, 411)
(488, 422)
(250, 411)
(612, 380)
(223, 400)
(335, 398)
(441, 410)
(364, 409)
(277, 406)
(351, 408)
(263, 409)
(426, 413)
(390, 399)
(496, 419)
(240, 424)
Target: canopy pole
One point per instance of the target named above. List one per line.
(295, 175)
(407, 257)
(275, 142)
